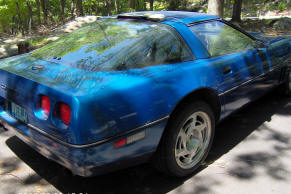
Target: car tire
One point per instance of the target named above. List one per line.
(287, 86)
(187, 140)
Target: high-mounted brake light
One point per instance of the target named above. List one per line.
(45, 105)
(65, 113)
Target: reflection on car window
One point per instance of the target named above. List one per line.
(221, 39)
(112, 44)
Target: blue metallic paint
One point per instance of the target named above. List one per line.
(86, 161)
(106, 104)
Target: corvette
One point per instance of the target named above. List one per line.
(138, 87)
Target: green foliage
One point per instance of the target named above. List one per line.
(15, 15)
(282, 6)
(205, 9)
(160, 6)
(277, 5)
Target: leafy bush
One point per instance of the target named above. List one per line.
(282, 6)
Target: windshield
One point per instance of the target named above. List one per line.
(112, 44)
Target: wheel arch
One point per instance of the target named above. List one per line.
(208, 95)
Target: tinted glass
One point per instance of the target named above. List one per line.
(221, 39)
(112, 44)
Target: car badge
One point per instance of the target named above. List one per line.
(3, 86)
(37, 67)
(9, 90)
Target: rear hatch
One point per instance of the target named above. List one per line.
(24, 80)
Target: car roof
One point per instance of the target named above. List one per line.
(180, 16)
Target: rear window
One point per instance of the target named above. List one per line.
(112, 44)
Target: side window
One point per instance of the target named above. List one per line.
(221, 39)
(157, 47)
(168, 48)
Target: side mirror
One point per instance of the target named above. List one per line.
(259, 44)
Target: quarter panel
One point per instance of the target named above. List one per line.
(136, 97)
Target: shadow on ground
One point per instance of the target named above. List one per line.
(145, 179)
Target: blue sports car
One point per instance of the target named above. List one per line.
(136, 87)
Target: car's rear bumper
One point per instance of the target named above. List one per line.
(92, 159)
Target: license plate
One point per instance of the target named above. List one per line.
(18, 112)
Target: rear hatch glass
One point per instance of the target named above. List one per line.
(112, 44)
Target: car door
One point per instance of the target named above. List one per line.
(279, 53)
(239, 63)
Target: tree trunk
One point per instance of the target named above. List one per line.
(184, 4)
(132, 4)
(144, 5)
(23, 47)
(73, 9)
(31, 23)
(215, 7)
(151, 5)
(228, 4)
(139, 6)
(13, 26)
(79, 8)
(108, 7)
(20, 25)
(38, 12)
(174, 4)
(116, 2)
(49, 13)
(44, 10)
(63, 4)
(236, 14)
(5, 26)
(96, 8)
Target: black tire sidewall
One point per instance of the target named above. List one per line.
(287, 87)
(173, 128)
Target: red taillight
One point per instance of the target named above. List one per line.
(65, 113)
(120, 143)
(45, 105)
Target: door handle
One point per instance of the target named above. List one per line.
(226, 70)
